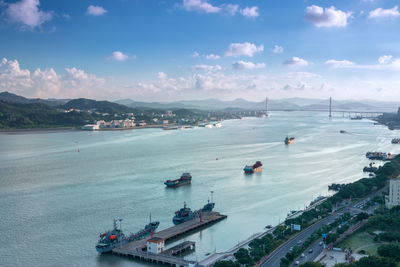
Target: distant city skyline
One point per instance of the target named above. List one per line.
(198, 49)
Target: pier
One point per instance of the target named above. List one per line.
(137, 249)
(180, 248)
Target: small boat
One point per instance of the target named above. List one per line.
(218, 125)
(343, 131)
(256, 167)
(356, 118)
(288, 140)
(209, 126)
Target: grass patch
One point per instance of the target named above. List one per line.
(358, 240)
(372, 250)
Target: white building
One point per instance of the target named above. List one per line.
(155, 245)
(394, 193)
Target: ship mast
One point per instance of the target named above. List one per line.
(330, 107)
(266, 106)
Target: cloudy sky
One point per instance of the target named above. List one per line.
(196, 49)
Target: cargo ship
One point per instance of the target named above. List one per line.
(115, 237)
(256, 167)
(396, 141)
(186, 214)
(186, 178)
(288, 140)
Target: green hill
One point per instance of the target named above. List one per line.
(37, 115)
(100, 106)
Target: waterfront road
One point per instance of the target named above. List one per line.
(316, 250)
(275, 258)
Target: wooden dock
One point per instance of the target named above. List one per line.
(136, 249)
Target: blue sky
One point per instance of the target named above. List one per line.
(196, 49)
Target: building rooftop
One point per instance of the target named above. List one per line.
(156, 239)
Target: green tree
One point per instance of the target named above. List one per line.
(390, 251)
(243, 257)
(225, 264)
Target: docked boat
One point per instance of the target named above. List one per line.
(186, 214)
(256, 167)
(209, 126)
(186, 178)
(218, 125)
(115, 237)
(288, 140)
(380, 156)
(183, 215)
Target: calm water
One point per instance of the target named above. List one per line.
(55, 201)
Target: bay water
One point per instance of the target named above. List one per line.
(55, 201)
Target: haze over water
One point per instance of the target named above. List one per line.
(54, 201)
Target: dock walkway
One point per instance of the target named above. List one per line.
(136, 248)
(178, 249)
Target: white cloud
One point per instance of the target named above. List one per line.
(243, 49)
(385, 59)
(277, 49)
(95, 10)
(27, 13)
(295, 61)
(195, 55)
(247, 65)
(386, 62)
(119, 56)
(47, 83)
(384, 13)
(230, 8)
(212, 56)
(200, 5)
(250, 12)
(339, 63)
(327, 17)
(207, 67)
(161, 75)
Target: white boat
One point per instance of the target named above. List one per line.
(218, 125)
(209, 126)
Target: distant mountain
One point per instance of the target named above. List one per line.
(340, 105)
(13, 98)
(212, 104)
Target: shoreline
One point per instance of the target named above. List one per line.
(67, 129)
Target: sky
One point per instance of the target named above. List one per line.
(169, 50)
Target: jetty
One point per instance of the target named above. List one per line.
(138, 248)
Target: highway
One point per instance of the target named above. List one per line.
(275, 258)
